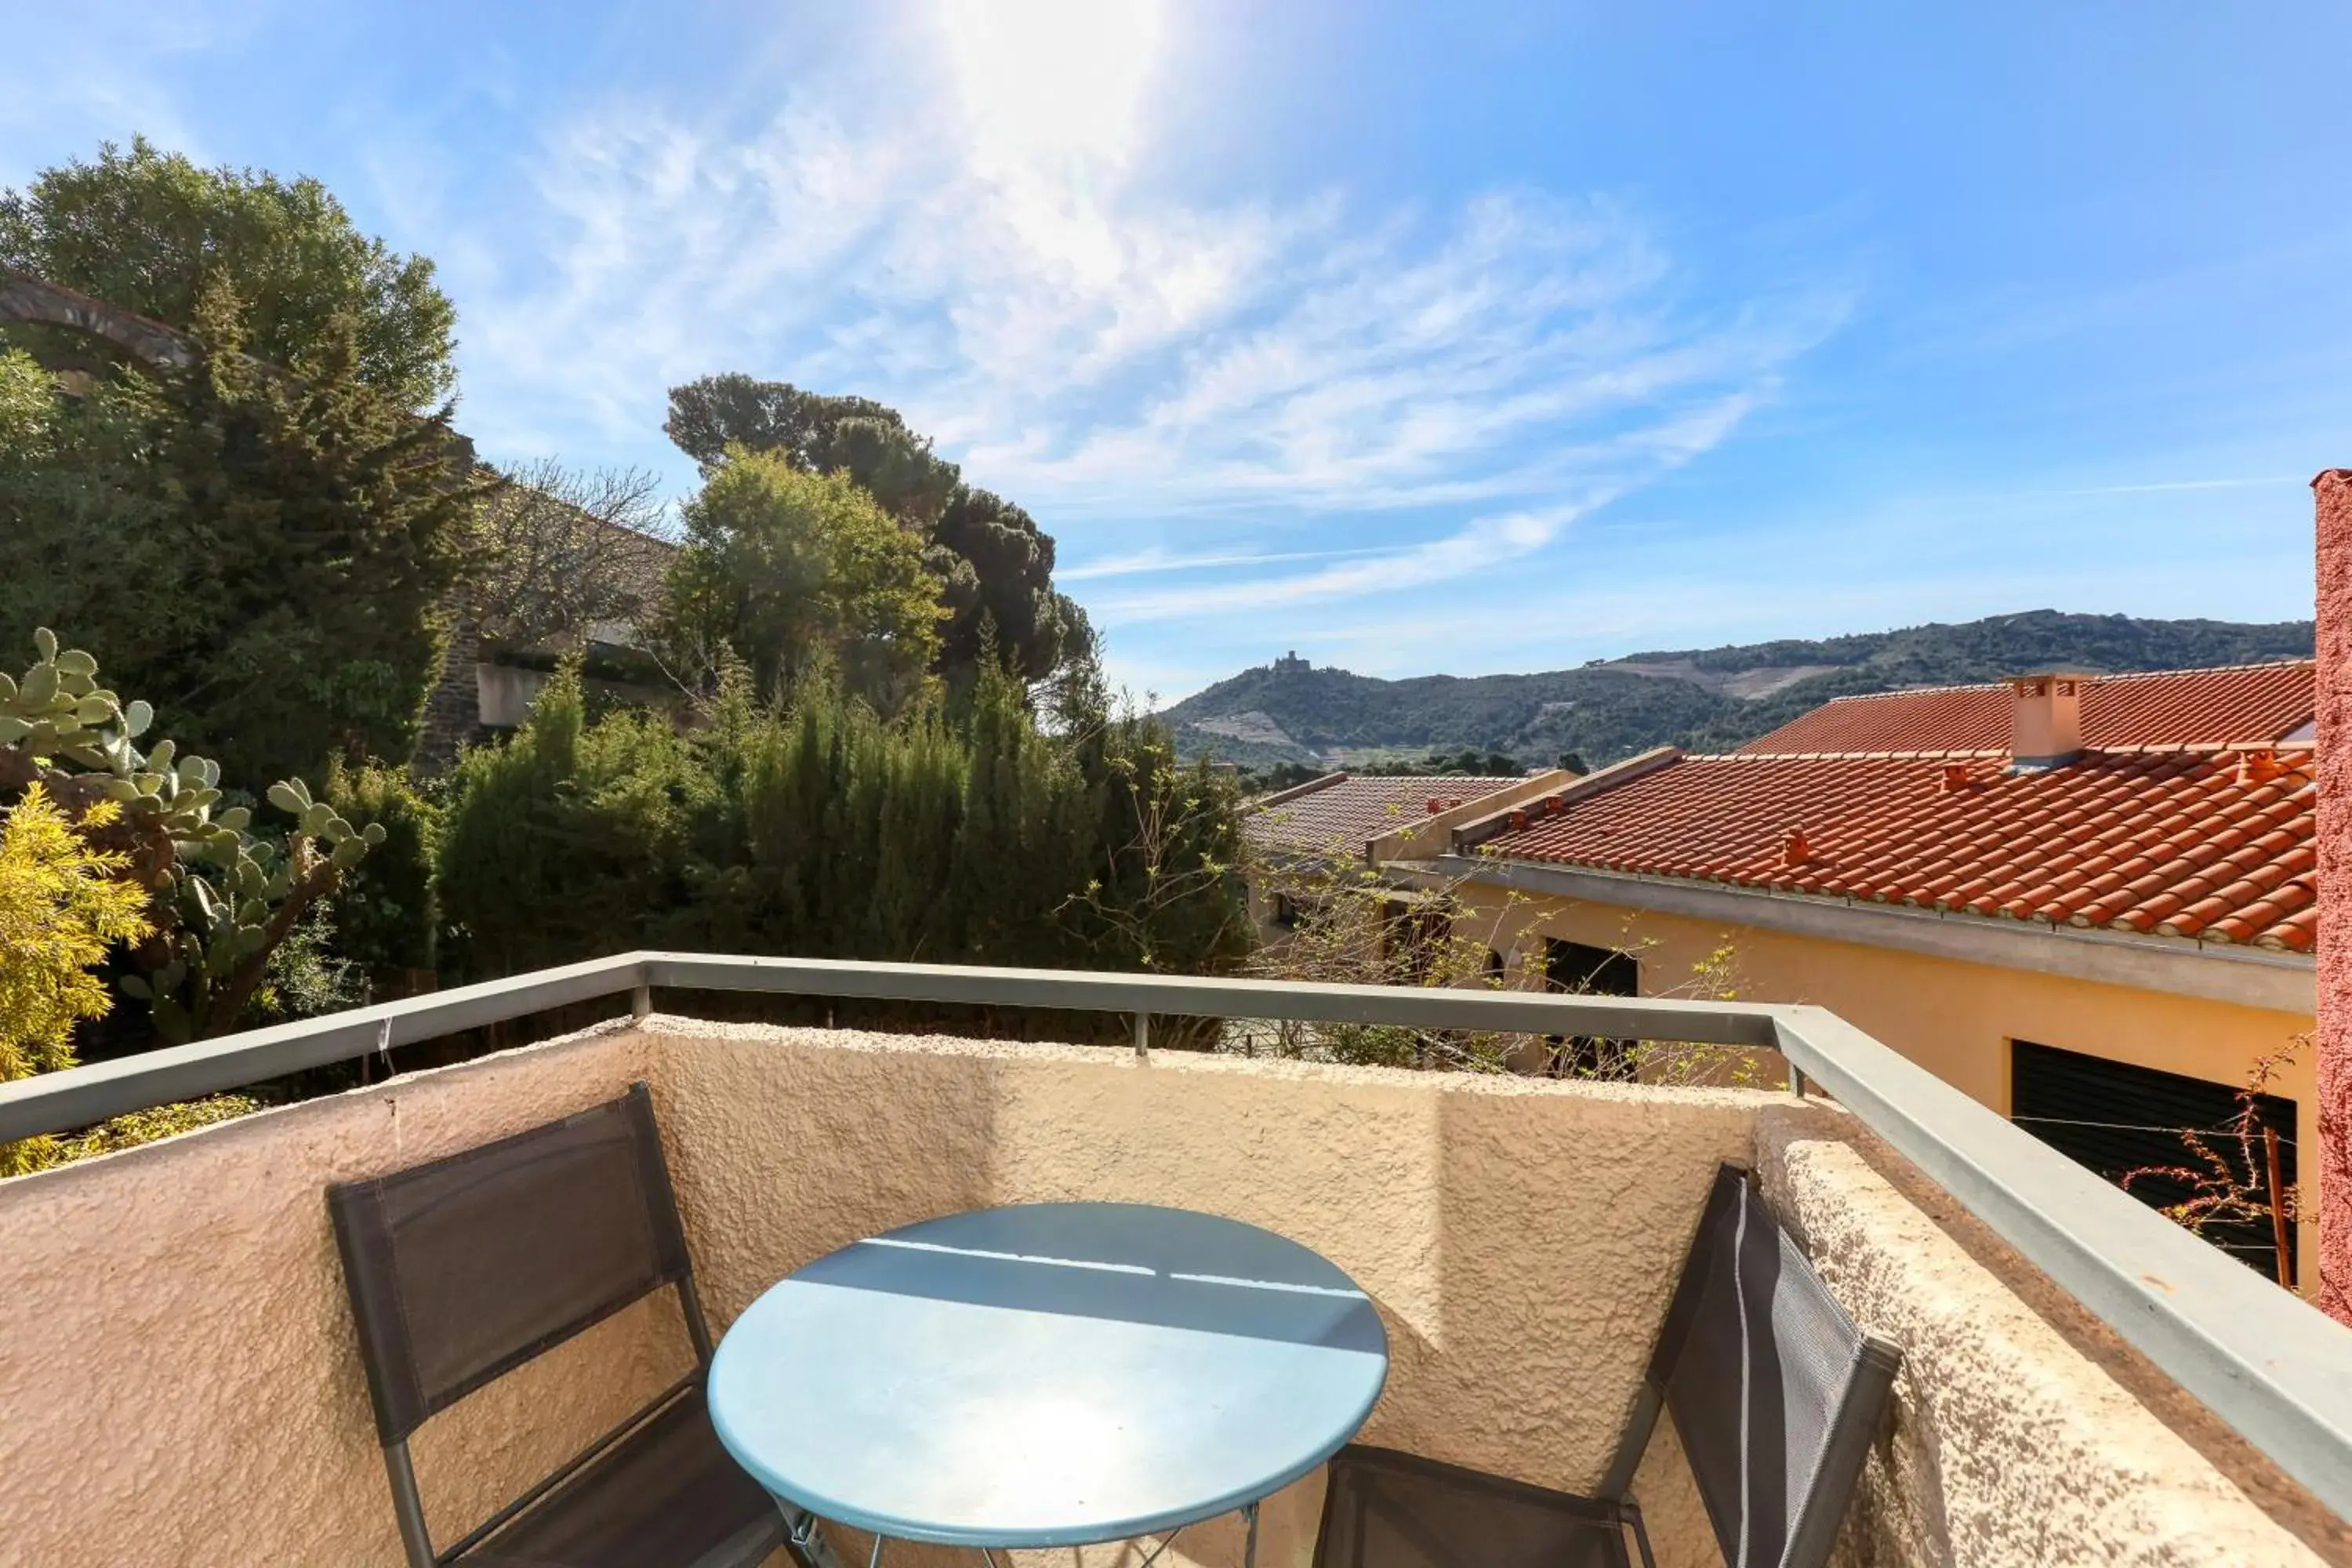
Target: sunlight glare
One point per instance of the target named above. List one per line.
(1052, 82)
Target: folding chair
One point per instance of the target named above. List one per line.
(463, 1269)
(1775, 1395)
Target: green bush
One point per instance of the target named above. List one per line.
(386, 915)
(47, 1151)
(948, 835)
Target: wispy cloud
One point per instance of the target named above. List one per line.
(1145, 562)
(1485, 543)
(1117, 356)
(2163, 486)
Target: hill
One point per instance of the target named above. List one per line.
(1706, 699)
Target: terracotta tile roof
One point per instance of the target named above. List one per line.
(2210, 844)
(2171, 708)
(1340, 812)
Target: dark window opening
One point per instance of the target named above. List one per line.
(1580, 969)
(2115, 1117)
(1286, 911)
(1412, 935)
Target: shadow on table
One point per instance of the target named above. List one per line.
(1118, 1262)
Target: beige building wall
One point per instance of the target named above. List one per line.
(1957, 1019)
(178, 1377)
(179, 1381)
(179, 1385)
(1519, 1312)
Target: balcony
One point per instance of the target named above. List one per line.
(2081, 1382)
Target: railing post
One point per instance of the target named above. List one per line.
(641, 1002)
(1796, 1080)
(1143, 1035)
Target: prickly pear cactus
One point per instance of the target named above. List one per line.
(225, 897)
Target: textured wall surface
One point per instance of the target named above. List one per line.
(1519, 1238)
(178, 1381)
(2333, 490)
(2007, 1445)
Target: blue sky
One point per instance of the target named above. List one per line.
(1462, 337)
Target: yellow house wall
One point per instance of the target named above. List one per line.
(1957, 1019)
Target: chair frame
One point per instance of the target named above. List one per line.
(1605, 1510)
(1852, 1428)
(407, 1500)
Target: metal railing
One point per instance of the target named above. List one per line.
(2263, 1360)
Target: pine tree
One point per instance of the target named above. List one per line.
(260, 552)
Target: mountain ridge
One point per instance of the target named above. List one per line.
(1704, 698)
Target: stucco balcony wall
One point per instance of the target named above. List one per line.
(178, 1383)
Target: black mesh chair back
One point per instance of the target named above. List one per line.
(464, 1268)
(1775, 1394)
(1386, 1509)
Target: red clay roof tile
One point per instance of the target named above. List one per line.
(2170, 708)
(1340, 816)
(2165, 842)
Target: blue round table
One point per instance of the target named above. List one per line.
(1049, 1374)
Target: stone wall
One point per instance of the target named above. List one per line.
(453, 707)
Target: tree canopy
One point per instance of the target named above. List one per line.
(150, 232)
(797, 572)
(263, 554)
(994, 564)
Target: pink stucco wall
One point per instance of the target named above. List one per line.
(2333, 491)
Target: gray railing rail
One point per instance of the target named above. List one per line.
(2265, 1361)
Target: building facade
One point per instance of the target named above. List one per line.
(2088, 902)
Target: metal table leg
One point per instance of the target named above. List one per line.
(810, 1546)
(806, 1540)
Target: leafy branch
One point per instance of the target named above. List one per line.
(2248, 1190)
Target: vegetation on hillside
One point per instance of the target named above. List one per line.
(1606, 711)
(1942, 653)
(1436, 765)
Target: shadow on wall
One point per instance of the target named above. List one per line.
(1562, 1226)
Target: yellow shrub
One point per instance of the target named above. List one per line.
(30, 1154)
(61, 906)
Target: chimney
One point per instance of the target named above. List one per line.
(2045, 719)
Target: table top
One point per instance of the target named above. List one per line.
(1048, 1375)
